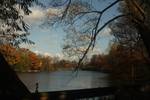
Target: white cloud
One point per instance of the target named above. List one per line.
(105, 32)
(37, 52)
(42, 53)
(61, 56)
(96, 50)
(46, 54)
(37, 15)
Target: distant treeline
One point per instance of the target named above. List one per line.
(24, 60)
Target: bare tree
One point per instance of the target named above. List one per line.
(88, 14)
(86, 19)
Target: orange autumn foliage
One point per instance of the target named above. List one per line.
(35, 61)
(10, 53)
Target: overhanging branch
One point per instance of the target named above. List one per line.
(65, 12)
(93, 39)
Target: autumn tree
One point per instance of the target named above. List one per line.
(65, 64)
(35, 62)
(46, 63)
(13, 30)
(28, 61)
(130, 43)
(127, 68)
(23, 64)
(10, 53)
(99, 62)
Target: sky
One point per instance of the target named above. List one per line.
(49, 40)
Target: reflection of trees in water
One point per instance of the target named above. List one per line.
(99, 81)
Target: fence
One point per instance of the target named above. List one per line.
(106, 93)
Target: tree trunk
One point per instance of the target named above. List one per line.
(10, 84)
(144, 31)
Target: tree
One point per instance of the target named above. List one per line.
(129, 39)
(74, 11)
(46, 63)
(129, 72)
(28, 61)
(10, 53)
(139, 17)
(88, 15)
(10, 84)
(127, 67)
(35, 62)
(75, 43)
(100, 62)
(13, 30)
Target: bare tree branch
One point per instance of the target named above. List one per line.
(93, 39)
(87, 12)
(96, 30)
(65, 12)
(109, 6)
(111, 21)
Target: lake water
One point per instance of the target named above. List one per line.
(63, 80)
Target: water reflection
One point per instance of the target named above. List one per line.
(63, 80)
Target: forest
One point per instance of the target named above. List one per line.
(128, 58)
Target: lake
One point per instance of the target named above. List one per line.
(63, 80)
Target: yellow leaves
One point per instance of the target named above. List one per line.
(22, 57)
(35, 61)
(10, 53)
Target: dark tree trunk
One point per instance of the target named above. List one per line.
(10, 84)
(144, 31)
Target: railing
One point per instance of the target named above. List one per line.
(132, 92)
(106, 93)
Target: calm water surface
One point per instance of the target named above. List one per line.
(63, 80)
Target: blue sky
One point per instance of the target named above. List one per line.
(50, 40)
